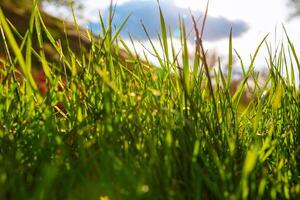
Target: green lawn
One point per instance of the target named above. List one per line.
(113, 126)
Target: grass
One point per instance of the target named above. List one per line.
(115, 127)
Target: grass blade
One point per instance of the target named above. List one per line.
(16, 50)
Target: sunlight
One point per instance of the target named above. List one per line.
(144, 107)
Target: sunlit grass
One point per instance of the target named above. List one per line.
(110, 125)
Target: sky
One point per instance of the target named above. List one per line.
(250, 20)
(147, 12)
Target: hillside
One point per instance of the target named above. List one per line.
(19, 16)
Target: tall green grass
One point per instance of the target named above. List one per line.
(129, 130)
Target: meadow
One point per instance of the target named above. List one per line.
(107, 124)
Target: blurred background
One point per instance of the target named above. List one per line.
(249, 20)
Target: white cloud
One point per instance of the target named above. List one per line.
(262, 16)
(147, 12)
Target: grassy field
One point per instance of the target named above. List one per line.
(105, 124)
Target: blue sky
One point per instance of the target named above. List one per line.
(146, 12)
(251, 20)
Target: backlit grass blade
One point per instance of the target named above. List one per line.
(54, 44)
(205, 64)
(28, 51)
(109, 25)
(11, 62)
(164, 34)
(102, 24)
(204, 20)
(120, 29)
(249, 165)
(241, 62)
(230, 60)
(43, 60)
(153, 47)
(237, 95)
(75, 23)
(185, 58)
(292, 49)
(292, 68)
(196, 64)
(125, 46)
(16, 50)
(29, 38)
(276, 99)
(40, 55)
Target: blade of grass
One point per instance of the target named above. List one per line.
(292, 49)
(203, 56)
(238, 94)
(230, 60)
(42, 58)
(55, 44)
(120, 29)
(153, 46)
(16, 50)
(164, 34)
(185, 59)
